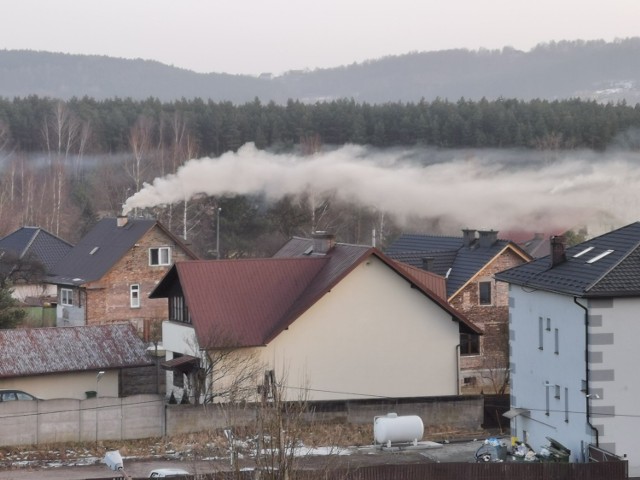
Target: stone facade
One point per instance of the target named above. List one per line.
(487, 371)
(108, 300)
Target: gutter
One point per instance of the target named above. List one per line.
(586, 363)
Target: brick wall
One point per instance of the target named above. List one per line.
(486, 371)
(108, 300)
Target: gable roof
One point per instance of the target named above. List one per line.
(249, 302)
(449, 256)
(37, 243)
(604, 266)
(100, 249)
(38, 351)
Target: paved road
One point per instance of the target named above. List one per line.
(424, 452)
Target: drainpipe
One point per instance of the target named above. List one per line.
(586, 363)
(458, 370)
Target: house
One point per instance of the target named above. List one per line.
(469, 263)
(27, 255)
(69, 362)
(331, 320)
(108, 275)
(573, 330)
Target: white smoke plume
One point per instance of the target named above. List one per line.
(484, 188)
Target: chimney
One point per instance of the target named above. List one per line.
(487, 237)
(557, 250)
(468, 236)
(323, 242)
(121, 220)
(427, 264)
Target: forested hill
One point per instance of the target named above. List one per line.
(604, 71)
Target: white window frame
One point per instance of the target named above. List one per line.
(134, 295)
(66, 297)
(162, 262)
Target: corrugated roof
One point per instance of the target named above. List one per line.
(615, 274)
(38, 351)
(37, 243)
(249, 302)
(101, 248)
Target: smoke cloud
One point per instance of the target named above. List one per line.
(481, 189)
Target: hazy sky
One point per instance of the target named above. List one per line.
(255, 36)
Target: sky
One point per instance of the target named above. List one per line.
(275, 36)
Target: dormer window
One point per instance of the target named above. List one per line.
(160, 256)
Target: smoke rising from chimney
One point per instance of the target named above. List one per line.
(500, 189)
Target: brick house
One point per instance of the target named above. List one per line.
(107, 277)
(469, 264)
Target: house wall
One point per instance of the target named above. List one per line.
(532, 368)
(108, 300)
(21, 291)
(485, 372)
(613, 376)
(71, 315)
(372, 335)
(66, 385)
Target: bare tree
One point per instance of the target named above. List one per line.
(140, 138)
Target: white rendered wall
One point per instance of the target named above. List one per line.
(614, 327)
(533, 368)
(371, 336)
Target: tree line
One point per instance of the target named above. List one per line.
(217, 127)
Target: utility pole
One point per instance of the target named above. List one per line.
(218, 234)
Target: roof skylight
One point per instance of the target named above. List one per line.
(579, 254)
(598, 257)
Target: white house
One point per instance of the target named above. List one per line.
(338, 322)
(573, 330)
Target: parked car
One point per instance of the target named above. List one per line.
(168, 473)
(10, 395)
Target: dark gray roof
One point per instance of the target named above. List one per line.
(38, 351)
(451, 258)
(615, 274)
(99, 250)
(36, 243)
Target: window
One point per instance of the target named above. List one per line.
(178, 311)
(556, 349)
(469, 344)
(548, 324)
(540, 333)
(557, 392)
(134, 295)
(66, 297)
(546, 410)
(566, 404)
(484, 293)
(160, 256)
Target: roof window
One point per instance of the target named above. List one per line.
(94, 250)
(586, 250)
(598, 257)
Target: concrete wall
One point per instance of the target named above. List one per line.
(67, 420)
(147, 416)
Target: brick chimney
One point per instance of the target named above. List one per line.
(558, 255)
(323, 242)
(487, 237)
(427, 264)
(468, 236)
(121, 220)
